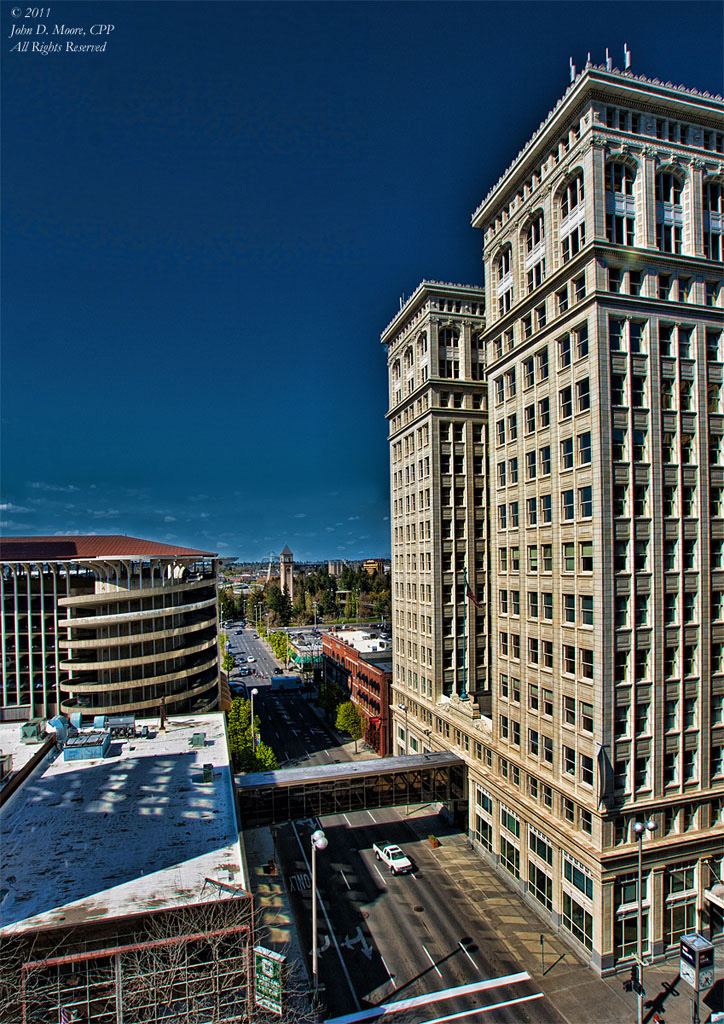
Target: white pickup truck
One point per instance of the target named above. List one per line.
(393, 857)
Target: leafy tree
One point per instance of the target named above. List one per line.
(226, 605)
(330, 696)
(227, 661)
(244, 756)
(348, 720)
(255, 604)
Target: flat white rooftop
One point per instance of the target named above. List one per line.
(362, 640)
(136, 831)
(10, 744)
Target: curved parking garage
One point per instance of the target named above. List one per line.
(133, 624)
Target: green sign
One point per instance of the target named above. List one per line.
(268, 979)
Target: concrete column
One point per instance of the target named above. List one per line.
(646, 235)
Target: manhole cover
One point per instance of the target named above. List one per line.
(419, 910)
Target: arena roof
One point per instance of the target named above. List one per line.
(62, 549)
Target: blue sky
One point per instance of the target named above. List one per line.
(207, 227)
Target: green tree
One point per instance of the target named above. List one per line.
(330, 696)
(226, 605)
(348, 720)
(245, 758)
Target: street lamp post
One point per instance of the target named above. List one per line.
(640, 828)
(319, 842)
(254, 693)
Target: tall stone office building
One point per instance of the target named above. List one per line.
(557, 475)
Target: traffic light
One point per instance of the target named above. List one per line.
(634, 982)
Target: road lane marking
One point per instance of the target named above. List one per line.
(384, 880)
(372, 816)
(468, 956)
(345, 878)
(432, 961)
(386, 967)
(485, 1009)
(349, 823)
(386, 1009)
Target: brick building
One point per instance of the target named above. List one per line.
(360, 664)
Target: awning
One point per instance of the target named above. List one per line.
(715, 895)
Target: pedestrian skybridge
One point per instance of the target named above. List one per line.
(270, 798)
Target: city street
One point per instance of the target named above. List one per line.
(380, 936)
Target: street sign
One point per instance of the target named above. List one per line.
(269, 979)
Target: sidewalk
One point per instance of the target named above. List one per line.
(573, 988)
(274, 923)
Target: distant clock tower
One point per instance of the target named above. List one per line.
(286, 572)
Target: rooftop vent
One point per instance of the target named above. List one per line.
(33, 732)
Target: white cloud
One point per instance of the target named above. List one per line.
(11, 524)
(104, 513)
(300, 515)
(7, 506)
(169, 519)
(40, 485)
(351, 519)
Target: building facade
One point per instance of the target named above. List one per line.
(361, 666)
(592, 397)
(106, 624)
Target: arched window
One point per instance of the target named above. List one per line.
(504, 280)
(573, 219)
(620, 204)
(713, 215)
(395, 371)
(669, 215)
(535, 257)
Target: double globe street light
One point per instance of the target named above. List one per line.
(319, 842)
(640, 829)
(254, 693)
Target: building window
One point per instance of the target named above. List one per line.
(504, 275)
(510, 857)
(573, 226)
(583, 394)
(679, 902)
(620, 204)
(566, 402)
(713, 211)
(535, 263)
(669, 213)
(544, 413)
(540, 886)
(585, 502)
